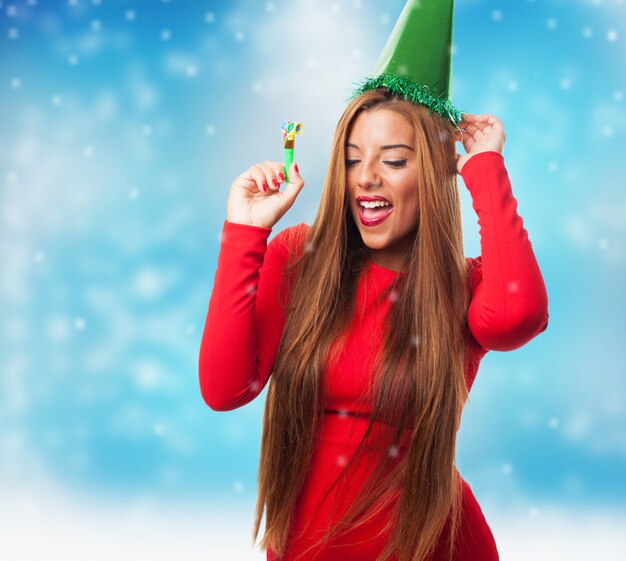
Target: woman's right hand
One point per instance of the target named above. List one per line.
(248, 203)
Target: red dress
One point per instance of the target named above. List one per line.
(244, 323)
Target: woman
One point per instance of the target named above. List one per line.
(372, 334)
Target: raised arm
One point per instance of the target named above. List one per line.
(244, 322)
(509, 305)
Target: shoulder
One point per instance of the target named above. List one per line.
(288, 241)
(291, 236)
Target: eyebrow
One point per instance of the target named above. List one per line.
(386, 147)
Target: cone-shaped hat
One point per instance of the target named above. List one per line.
(416, 60)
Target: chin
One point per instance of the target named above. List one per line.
(373, 242)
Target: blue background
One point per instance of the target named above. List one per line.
(123, 124)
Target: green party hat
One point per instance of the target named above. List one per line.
(416, 60)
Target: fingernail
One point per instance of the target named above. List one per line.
(275, 182)
(265, 187)
(282, 176)
(296, 168)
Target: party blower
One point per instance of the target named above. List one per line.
(289, 136)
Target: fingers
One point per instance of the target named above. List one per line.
(471, 128)
(258, 177)
(469, 117)
(268, 175)
(294, 176)
(482, 120)
(295, 184)
(274, 174)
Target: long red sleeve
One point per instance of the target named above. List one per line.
(244, 322)
(509, 304)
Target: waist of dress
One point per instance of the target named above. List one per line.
(346, 412)
(349, 427)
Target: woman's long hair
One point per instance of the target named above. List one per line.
(418, 386)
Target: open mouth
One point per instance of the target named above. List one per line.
(373, 216)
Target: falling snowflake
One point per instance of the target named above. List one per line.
(513, 286)
(255, 386)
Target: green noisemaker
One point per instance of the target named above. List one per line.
(290, 130)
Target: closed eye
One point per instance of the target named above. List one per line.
(395, 164)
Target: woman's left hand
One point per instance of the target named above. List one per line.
(480, 133)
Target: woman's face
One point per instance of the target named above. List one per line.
(381, 161)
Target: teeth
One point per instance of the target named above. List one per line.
(373, 204)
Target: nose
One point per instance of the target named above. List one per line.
(367, 175)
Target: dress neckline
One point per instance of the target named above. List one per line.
(383, 271)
